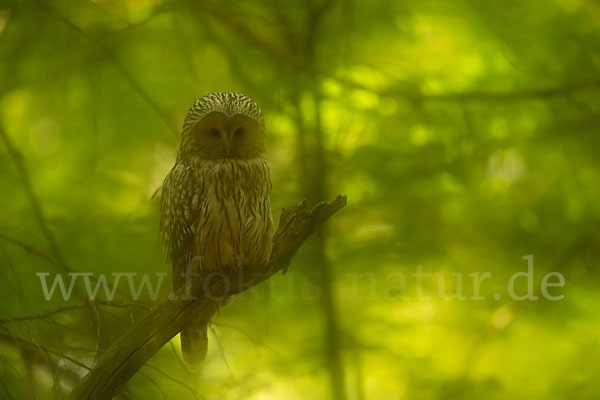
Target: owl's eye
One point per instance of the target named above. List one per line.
(214, 132)
(239, 132)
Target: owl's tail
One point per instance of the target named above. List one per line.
(194, 341)
(194, 344)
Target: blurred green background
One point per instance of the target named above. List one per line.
(465, 134)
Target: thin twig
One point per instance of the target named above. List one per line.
(185, 385)
(251, 338)
(296, 62)
(33, 200)
(166, 117)
(32, 250)
(222, 352)
(73, 307)
(43, 315)
(155, 384)
(47, 350)
(6, 389)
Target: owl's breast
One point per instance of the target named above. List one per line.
(235, 226)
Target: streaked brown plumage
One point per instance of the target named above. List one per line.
(215, 203)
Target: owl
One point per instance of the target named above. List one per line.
(215, 213)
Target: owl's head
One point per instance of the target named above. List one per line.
(223, 126)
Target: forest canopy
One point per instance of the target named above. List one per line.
(464, 134)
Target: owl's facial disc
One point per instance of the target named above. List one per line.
(220, 136)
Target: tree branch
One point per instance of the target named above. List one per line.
(291, 59)
(34, 201)
(121, 69)
(74, 307)
(121, 360)
(7, 337)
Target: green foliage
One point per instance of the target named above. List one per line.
(464, 133)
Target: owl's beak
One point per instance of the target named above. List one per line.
(227, 140)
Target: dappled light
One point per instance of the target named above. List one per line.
(464, 134)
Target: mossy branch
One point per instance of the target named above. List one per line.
(123, 358)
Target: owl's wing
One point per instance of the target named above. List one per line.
(182, 194)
